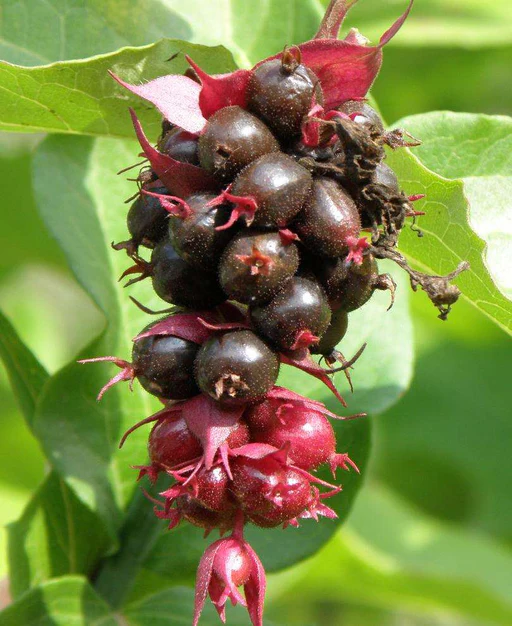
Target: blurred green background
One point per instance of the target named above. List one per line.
(429, 540)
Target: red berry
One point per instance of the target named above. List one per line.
(171, 442)
(268, 492)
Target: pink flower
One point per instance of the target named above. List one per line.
(226, 565)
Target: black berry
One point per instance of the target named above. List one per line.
(147, 220)
(236, 368)
(180, 145)
(356, 288)
(233, 139)
(179, 283)
(296, 317)
(279, 185)
(329, 220)
(333, 335)
(194, 235)
(362, 113)
(165, 365)
(282, 91)
(255, 265)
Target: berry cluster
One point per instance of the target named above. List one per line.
(253, 205)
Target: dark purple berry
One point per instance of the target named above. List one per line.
(329, 221)
(385, 176)
(194, 235)
(278, 184)
(255, 265)
(179, 283)
(362, 113)
(147, 220)
(236, 368)
(164, 365)
(282, 91)
(180, 145)
(233, 139)
(333, 335)
(296, 317)
(356, 288)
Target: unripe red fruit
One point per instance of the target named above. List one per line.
(233, 138)
(353, 291)
(333, 335)
(279, 185)
(255, 265)
(308, 432)
(328, 219)
(147, 220)
(179, 283)
(194, 236)
(172, 443)
(240, 569)
(180, 145)
(236, 368)
(164, 366)
(212, 489)
(300, 306)
(281, 93)
(268, 493)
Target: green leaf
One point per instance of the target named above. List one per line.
(476, 149)
(251, 30)
(68, 601)
(36, 32)
(457, 425)
(410, 561)
(448, 24)
(448, 238)
(56, 535)
(26, 374)
(79, 97)
(80, 199)
(175, 606)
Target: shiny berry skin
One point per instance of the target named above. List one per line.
(331, 273)
(179, 283)
(255, 265)
(350, 293)
(211, 489)
(233, 139)
(164, 365)
(308, 432)
(171, 442)
(147, 220)
(333, 335)
(300, 307)
(236, 368)
(362, 113)
(281, 92)
(269, 493)
(279, 185)
(194, 236)
(386, 177)
(199, 515)
(328, 219)
(180, 145)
